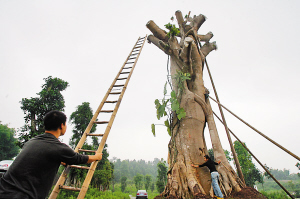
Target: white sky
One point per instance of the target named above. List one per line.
(85, 43)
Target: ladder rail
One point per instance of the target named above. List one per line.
(93, 165)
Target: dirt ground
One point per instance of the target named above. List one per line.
(245, 193)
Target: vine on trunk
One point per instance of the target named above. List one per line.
(163, 106)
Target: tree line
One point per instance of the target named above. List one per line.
(143, 174)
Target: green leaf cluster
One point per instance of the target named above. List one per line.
(180, 78)
(81, 119)
(138, 181)
(35, 108)
(8, 149)
(162, 106)
(175, 105)
(123, 183)
(250, 172)
(173, 31)
(161, 182)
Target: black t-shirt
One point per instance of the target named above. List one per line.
(32, 173)
(210, 164)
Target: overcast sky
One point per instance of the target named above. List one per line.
(85, 43)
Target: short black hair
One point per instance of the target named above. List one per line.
(207, 157)
(53, 120)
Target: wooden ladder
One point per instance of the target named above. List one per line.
(120, 84)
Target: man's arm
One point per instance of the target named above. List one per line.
(92, 158)
(199, 165)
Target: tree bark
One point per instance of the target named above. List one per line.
(187, 144)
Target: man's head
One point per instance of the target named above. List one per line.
(206, 158)
(55, 120)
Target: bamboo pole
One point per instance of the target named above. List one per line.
(286, 191)
(240, 173)
(278, 145)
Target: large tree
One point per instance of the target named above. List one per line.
(8, 148)
(35, 108)
(191, 110)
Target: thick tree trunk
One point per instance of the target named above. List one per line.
(187, 145)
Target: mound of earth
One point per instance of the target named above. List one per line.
(245, 193)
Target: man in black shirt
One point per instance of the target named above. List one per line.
(214, 174)
(32, 173)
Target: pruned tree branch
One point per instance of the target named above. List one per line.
(208, 47)
(180, 21)
(206, 37)
(157, 32)
(160, 44)
(198, 21)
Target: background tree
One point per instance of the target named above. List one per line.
(8, 148)
(251, 173)
(162, 176)
(148, 180)
(190, 110)
(298, 166)
(123, 183)
(104, 170)
(49, 98)
(152, 187)
(227, 154)
(80, 119)
(138, 181)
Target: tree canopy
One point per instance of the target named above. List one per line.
(80, 119)
(162, 176)
(8, 148)
(35, 108)
(250, 172)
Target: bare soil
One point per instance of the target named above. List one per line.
(245, 193)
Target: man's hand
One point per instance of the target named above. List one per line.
(219, 161)
(92, 158)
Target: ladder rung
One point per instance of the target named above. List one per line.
(127, 67)
(137, 47)
(111, 101)
(79, 167)
(107, 111)
(85, 150)
(101, 122)
(94, 134)
(122, 78)
(118, 85)
(132, 58)
(141, 38)
(129, 62)
(124, 72)
(69, 188)
(115, 93)
(134, 54)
